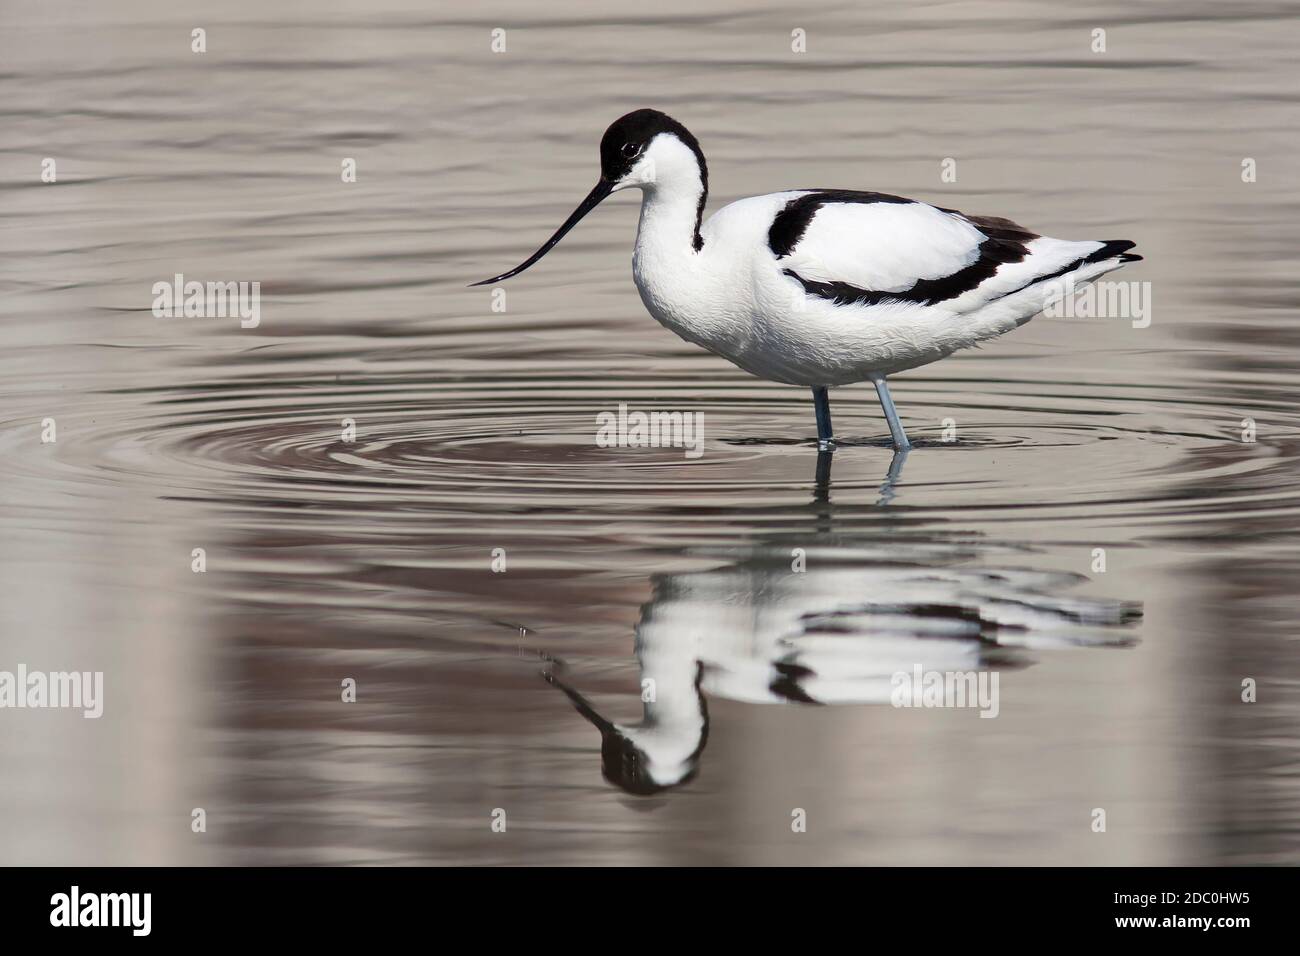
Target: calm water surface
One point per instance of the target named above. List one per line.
(475, 431)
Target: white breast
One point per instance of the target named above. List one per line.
(714, 297)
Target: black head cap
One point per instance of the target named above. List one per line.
(628, 767)
(628, 136)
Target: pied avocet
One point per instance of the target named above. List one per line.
(823, 287)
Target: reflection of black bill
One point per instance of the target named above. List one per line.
(582, 705)
(603, 188)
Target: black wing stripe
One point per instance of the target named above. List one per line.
(992, 254)
(789, 225)
(930, 291)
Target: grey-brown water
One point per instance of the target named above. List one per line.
(475, 430)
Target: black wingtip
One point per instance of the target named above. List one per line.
(1115, 249)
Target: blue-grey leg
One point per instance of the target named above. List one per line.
(822, 405)
(891, 414)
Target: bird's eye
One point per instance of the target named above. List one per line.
(630, 150)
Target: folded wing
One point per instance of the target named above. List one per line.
(869, 248)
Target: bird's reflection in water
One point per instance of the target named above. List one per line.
(835, 632)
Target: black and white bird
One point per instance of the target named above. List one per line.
(756, 633)
(823, 287)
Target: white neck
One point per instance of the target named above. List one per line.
(674, 724)
(669, 215)
(673, 190)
